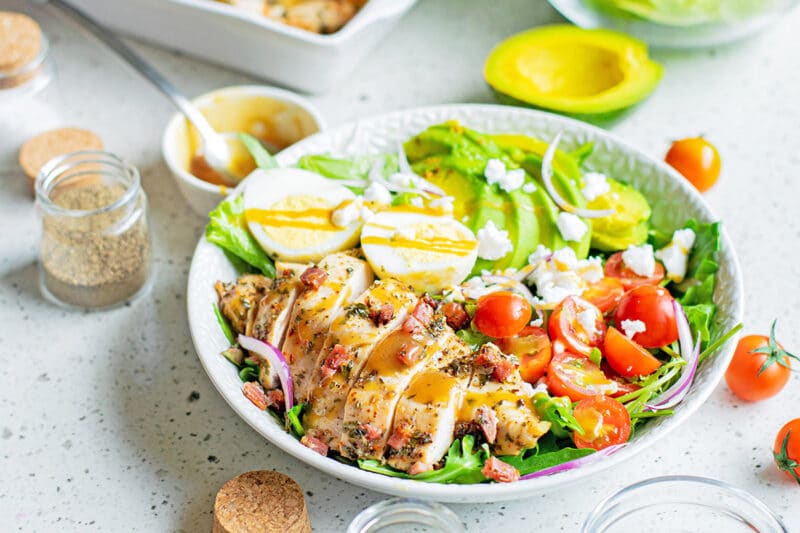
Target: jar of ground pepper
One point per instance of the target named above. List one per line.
(95, 247)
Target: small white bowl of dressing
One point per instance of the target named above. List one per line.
(276, 117)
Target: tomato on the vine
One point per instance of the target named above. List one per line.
(760, 367)
(502, 314)
(626, 357)
(605, 422)
(577, 377)
(605, 294)
(533, 349)
(615, 268)
(787, 449)
(698, 161)
(578, 325)
(653, 306)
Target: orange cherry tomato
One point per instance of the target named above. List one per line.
(787, 449)
(567, 325)
(502, 314)
(653, 306)
(627, 358)
(577, 377)
(605, 422)
(533, 349)
(615, 268)
(698, 161)
(605, 294)
(760, 367)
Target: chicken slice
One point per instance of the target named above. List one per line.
(352, 338)
(425, 418)
(238, 301)
(498, 404)
(372, 400)
(318, 303)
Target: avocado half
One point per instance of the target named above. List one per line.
(592, 74)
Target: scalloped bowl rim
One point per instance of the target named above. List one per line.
(202, 321)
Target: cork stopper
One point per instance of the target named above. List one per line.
(20, 40)
(41, 148)
(262, 501)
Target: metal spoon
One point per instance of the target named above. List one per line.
(216, 148)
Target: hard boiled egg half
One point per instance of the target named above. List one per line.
(428, 252)
(296, 215)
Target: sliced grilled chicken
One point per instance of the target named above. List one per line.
(353, 336)
(238, 301)
(338, 280)
(372, 400)
(272, 316)
(498, 404)
(425, 418)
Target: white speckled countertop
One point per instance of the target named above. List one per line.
(107, 420)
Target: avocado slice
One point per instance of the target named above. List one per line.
(593, 74)
(628, 225)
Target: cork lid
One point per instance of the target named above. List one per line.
(262, 501)
(20, 40)
(41, 148)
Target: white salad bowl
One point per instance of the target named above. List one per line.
(673, 201)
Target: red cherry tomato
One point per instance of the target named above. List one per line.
(653, 306)
(605, 422)
(577, 377)
(615, 268)
(760, 367)
(698, 161)
(605, 294)
(787, 449)
(502, 314)
(568, 325)
(627, 358)
(532, 348)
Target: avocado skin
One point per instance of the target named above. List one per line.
(602, 120)
(628, 226)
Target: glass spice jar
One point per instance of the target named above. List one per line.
(95, 249)
(401, 515)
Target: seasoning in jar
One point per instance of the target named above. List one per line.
(95, 248)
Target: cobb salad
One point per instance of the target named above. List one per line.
(472, 308)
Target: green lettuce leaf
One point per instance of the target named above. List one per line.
(354, 169)
(557, 411)
(228, 230)
(535, 460)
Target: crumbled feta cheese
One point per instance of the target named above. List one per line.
(594, 185)
(417, 202)
(632, 327)
(495, 171)
(538, 321)
(377, 193)
(541, 253)
(347, 213)
(513, 180)
(565, 258)
(445, 203)
(675, 255)
(572, 228)
(588, 321)
(508, 180)
(529, 187)
(640, 259)
(559, 274)
(398, 179)
(591, 269)
(493, 243)
(541, 386)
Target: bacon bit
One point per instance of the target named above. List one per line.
(315, 444)
(409, 353)
(456, 315)
(335, 361)
(423, 312)
(383, 315)
(487, 421)
(412, 326)
(313, 277)
(499, 471)
(428, 299)
(370, 432)
(491, 360)
(275, 399)
(399, 438)
(254, 392)
(419, 467)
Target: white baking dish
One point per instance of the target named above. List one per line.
(250, 43)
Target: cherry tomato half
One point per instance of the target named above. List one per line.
(502, 314)
(605, 422)
(577, 377)
(787, 449)
(615, 268)
(698, 161)
(760, 368)
(568, 324)
(532, 348)
(605, 294)
(653, 306)
(627, 358)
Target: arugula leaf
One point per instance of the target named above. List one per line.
(248, 373)
(473, 338)
(557, 411)
(257, 151)
(227, 229)
(293, 418)
(534, 460)
(582, 152)
(223, 324)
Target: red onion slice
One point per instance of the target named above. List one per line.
(276, 361)
(691, 353)
(576, 463)
(547, 178)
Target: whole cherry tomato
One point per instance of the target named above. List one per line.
(653, 306)
(698, 161)
(605, 422)
(615, 268)
(502, 314)
(578, 325)
(532, 348)
(787, 449)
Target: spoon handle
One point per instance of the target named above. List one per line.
(138, 64)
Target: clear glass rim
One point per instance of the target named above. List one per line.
(608, 503)
(397, 511)
(57, 170)
(33, 64)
